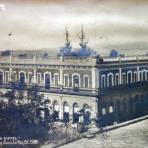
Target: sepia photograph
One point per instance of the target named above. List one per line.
(74, 73)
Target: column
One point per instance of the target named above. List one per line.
(93, 78)
(10, 73)
(61, 108)
(120, 76)
(61, 76)
(70, 112)
(138, 74)
(35, 75)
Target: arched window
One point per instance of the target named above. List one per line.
(117, 79)
(1, 77)
(144, 75)
(75, 113)
(66, 80)
(38, 78)
(65, 107)
(22, 77)
(22, 80)
(6, 76)
(110, 80)
(123, 78)
(110, 109)
(56, 79)
(135, 76)
(56, 109)
(30, 77)
(76, 80)
(65, 112)
(141, 76)
(129, 77)
(103, 81)
(13, 76)
(47, 80)
(86, 114)
(103, 111)
(86, 81)
(147, 75)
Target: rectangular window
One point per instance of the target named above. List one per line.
(56, 79)
(86, 83)
(66, 80)
(7, 76)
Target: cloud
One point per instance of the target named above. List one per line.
(40, 23)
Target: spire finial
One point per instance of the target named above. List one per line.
(67, 37)
(83, 43)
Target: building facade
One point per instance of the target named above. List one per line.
(114, 89)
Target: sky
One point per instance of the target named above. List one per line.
(108, 24)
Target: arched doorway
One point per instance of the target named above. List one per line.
(1, 78)
(65, 112)
(75, 113)
(21, 80)
(47, 81)
(56, 109)
(86, 114)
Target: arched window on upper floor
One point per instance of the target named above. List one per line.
(135, 77)
(1, 77)
(56, 79)
(141, 76)
(110, 80)
(13, 76)
(144, 74)
(124, 78)
(86, 81)
(66, 80)
(116, 79)
(147, 75)
(47, 80)
(103, 81)
(129, 77)
(6, 76)
(76, 80)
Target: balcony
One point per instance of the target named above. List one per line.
(123, 87)
(58, 90)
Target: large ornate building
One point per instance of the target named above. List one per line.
(108, 88)
(97, 85)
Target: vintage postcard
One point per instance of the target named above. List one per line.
(73, 73)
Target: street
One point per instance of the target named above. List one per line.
(131, 136)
